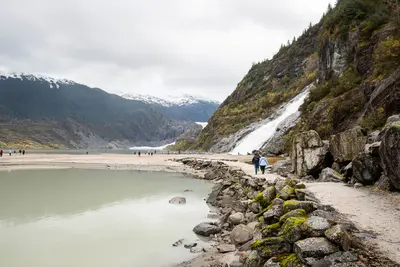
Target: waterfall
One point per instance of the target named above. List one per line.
(255, 139)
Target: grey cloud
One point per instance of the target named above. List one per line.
(161, 47)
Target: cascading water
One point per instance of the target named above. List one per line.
(255, 139)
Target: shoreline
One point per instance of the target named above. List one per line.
(379, 209)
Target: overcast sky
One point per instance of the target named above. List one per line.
(158, 47)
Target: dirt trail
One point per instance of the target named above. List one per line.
(368, 210)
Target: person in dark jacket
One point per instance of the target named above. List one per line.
(256, 162)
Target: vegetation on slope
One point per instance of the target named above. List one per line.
(355, 54)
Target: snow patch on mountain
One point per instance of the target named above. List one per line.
(168, 101)
(53, 82)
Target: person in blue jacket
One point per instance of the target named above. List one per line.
(263, 162)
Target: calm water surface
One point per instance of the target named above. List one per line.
(93, 218)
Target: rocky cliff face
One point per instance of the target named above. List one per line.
(353, 55)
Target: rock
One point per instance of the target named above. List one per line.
(301, 194)
(348, 170)
(309, 153)
(191, 245)
(383, 184)
(236, 218)
(273, 215)
(241, 234)
(206, 229)
(322, 263)
(212, 216)
(311, 261)
(197, 249)
(272, 262)
(178, 200)
(389, 151)
(286, 192)
(214, 194)
(339, 259)
(348, 144)
(255, 207)
(339, 235)
(254, 260)
(316, 226)
(336, 166)
(250, 217)
(330, 175)
(290, 205)
(366, 168)
(252, 225)
(178, 243)
(224, 248)
(283, 167)
(236, 264)
(269, 194)
(293, 213)
(373, 149)
(300, 186)
(373, 137)
(314, 247)
(272, 246)
(293, 229)
(358, 185)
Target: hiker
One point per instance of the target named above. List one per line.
(1, 152)
(263, 163)
(10, 152)
(256, 161)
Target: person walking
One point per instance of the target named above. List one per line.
(1, 153)
(256, 162)
(263, 163)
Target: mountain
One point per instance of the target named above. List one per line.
(41, 111)
(187, 107)
(352, 60)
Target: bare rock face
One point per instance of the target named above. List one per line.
(283, 167)
(309, 153)
(346, 145)
(389, 151)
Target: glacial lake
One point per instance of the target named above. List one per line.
(96, 218)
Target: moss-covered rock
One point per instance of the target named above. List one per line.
(291, 260)
(300, 186)
(286, 192)
(290, 205)
(272, 246)
(293, 230)
(293, 213)
(271, 230)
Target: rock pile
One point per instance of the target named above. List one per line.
(274, 224)
(350, 156)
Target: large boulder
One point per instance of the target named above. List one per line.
(316, 226)
(330, 175)
(346, 145)
(236, 218)
(283, 167)
(366, 168)
(272, 246)
(241, 234)
(314, 247)
(339, 235)
(389, 150)
(273, 214)
(309, 154)
(207, 229)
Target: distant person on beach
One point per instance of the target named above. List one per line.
(138, 153)
(23, 152)
(256, 161)
(263, 163)
(10, 152)
(20, 151)
(1, 153)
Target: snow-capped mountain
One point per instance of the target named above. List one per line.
(53, 82)
(168, 101)
(186, 107)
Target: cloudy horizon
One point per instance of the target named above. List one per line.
(176, 47)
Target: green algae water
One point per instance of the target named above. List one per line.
(88, 218)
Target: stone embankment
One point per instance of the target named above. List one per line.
(276, 223)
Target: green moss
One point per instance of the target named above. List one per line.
(261, 219)
(286, 192)
(259, 197)
(271, 229)
(292, 222)
(292, 230)
(256, 244)
(291, 261)
(293, 213)
(290, 205)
